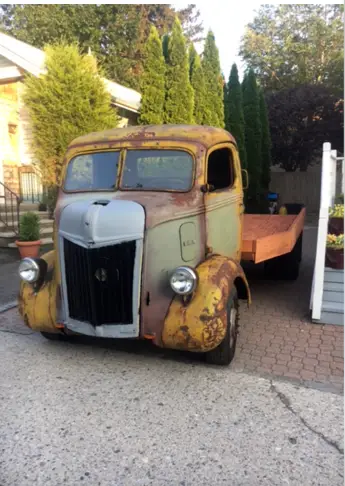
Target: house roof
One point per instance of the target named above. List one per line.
(17, 57)
(24, 56)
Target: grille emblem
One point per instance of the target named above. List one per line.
(101, 274)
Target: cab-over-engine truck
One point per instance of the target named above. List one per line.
(149, 234)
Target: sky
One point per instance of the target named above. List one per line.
(228, 29)
(228, 21)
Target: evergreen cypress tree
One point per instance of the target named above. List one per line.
(165, 42)
(69, 100)
(214, 83)
(265, 144)
(152, 82)
(198, 84)
(234, 113)
(251, 111)
(226, 106)
(179, 100)
(191, 58)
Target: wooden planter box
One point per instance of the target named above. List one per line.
(336, 226)
(335, 258)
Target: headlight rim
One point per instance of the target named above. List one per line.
(36, 268)
(192, 272)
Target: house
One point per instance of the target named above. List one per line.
(16, 59)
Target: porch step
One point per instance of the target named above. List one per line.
(335, 276)
(332, 318)
(332, 310)
(45, 241)
(44, 221)
(335, 307)
(333, 292)
(43, 231)
(41, 214)
(8, 236)
(24, 206)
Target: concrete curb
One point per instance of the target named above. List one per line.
(8, 306)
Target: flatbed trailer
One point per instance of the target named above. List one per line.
(275, 240)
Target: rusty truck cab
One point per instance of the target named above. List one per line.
(147, 239)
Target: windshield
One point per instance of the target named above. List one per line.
(157, 170)
(163, 170)
(93, 172)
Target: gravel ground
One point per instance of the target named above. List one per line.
(105, 415)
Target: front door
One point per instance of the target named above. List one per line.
(224, 201)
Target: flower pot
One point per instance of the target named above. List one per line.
(335, 258)
(336, 226)
(29, 248)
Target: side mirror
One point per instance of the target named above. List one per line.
(207, 188)
(246, 179)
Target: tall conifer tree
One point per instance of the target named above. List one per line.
(213, 82)
(179, 99)
(265, 144)
(198, 84)
(251, 111)
(152, 83)
(234, 113)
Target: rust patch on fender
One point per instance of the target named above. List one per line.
(201, 326)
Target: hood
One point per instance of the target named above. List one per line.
(99, 222)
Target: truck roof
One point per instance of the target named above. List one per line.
(204, 135)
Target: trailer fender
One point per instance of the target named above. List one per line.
(198, 323)
(38, 306)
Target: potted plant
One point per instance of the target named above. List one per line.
(335, 251)
(29, 235)
(336, 220)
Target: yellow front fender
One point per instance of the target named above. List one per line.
(200, 325)
(39, 309)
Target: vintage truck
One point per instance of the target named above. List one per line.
(149, 235)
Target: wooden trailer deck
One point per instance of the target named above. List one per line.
(267, 236)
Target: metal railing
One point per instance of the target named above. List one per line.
(31, 189)
(9, 208)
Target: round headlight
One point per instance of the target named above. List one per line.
(29, 270)
(184, 280)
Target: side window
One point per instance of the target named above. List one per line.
(221, 169)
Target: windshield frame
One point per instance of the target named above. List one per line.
(160, 149)
(90, 152)
(123, 151)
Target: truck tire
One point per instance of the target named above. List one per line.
(286, 267)
(224, 353)
(55, 336)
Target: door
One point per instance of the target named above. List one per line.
(224, 201)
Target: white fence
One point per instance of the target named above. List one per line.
(328, 193)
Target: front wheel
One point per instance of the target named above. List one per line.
(224, 353)
(55, 336)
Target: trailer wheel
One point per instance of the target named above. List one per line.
(224, 353)
(285, 267)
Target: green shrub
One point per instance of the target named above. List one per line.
(339, 199)
(29, 227)
(69, 100)
(52, 195)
